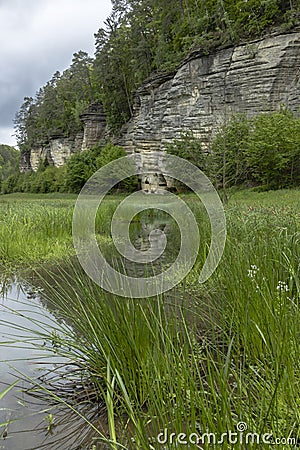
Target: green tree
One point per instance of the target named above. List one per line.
(229, 150)
(274, 149)
(190, 148)
(264, 150)
(79, 168)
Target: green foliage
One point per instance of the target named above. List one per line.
(69, 178)
(9, 185)
(188, 147)
(57, 106)
(264, 150)
(79, 168)
(48, 179)
(229, 149)
(110, 153)
(9, 162)
(273, 155)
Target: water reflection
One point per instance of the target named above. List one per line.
(35, 424)
(154, 236)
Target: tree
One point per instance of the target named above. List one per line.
(273, 155)
(229, 150)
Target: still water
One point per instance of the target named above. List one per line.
(21, 310)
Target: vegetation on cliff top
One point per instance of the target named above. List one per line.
(141, 37)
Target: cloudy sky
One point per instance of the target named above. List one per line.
(38, 37)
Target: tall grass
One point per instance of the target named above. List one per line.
(34, 229)
(32, 232)
(201, 358)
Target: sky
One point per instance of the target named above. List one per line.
(37, 38)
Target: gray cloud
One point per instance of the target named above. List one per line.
(38, 37)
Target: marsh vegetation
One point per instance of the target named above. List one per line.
(198, 358)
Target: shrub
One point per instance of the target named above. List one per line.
(229, 149)
(273, 155)
(264, 150)
(190, 148)
(110, 153)
(79, 168)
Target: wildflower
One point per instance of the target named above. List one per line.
(282, 286)
(252, 271)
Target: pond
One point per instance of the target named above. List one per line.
(19, 359)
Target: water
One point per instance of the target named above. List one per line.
(20, 309)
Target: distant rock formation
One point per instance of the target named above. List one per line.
(94, 124)
(59, 149)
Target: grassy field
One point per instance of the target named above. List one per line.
(212, 358)
(37, 228)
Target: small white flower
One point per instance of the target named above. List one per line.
(252, 271)
(282, 286)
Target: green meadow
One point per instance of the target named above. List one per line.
(198, 361)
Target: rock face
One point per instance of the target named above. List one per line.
(56, 152)
(59, 149)
(199, 96)
(206, 90)
(94, 123)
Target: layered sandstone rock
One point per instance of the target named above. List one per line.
(206, 90)
(56, 152)
(262, 75)
(58, 149)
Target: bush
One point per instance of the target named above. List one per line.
(79, 168)
(69, 178)
(110, 153)
(229, 149)
(273, 155)
(190, 148)
(264, 150)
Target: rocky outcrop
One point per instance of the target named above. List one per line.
(199, 96)
(58, 149)
(94, 124)
(56, 152)
(206, 90)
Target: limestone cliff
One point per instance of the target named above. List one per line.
(58, 148)
(200, 95)
(206, 90)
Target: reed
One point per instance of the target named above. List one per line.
(199, 359)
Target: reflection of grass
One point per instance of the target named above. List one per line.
(4, 425)
(203, 357)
